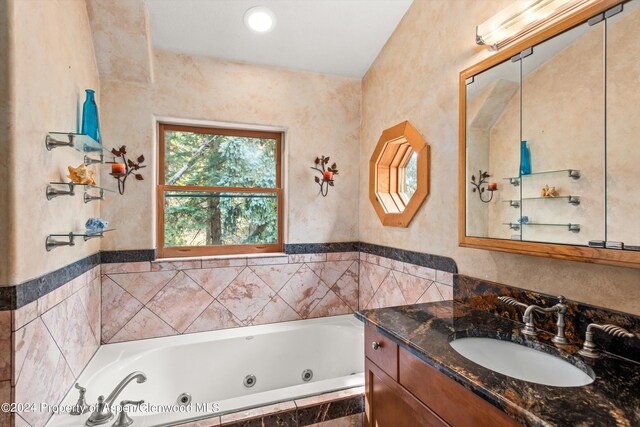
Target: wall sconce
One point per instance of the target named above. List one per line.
(326, 179)
(478, 188)
(121, 171)
(521, 19)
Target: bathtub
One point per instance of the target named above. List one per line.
(213, 367)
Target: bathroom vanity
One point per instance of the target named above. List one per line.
(415, 378)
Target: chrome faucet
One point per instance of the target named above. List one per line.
(103, 413)
(529, 326)
(589, 348)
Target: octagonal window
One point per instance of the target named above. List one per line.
(399, 174)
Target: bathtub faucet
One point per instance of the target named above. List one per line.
(103, 413)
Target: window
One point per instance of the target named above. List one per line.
(219, 191)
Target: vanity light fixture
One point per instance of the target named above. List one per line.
(259, 19)
(521, 19)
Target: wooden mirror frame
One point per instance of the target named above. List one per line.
(387, 166)
(549, 250)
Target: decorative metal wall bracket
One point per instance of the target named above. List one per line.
(52, 241)
(52, 193)
(326, 174)
(52, 143)
(90, 161)
(478, 186)
(131, 167)
(89, 198)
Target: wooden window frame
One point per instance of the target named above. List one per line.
(161, 188)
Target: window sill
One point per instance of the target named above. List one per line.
(217, 257)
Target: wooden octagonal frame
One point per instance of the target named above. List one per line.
(386, 174)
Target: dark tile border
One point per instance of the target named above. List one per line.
(483, 295)
(436, 262)
(316, 248)
(138, 255)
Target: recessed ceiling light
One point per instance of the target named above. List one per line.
(259, 19)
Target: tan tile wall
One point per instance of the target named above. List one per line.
(153, 299)
(52, 339)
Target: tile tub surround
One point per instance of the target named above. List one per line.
(152, 299)
(343, 408)
(169, 297)
(483, 295)
(53, 339)
(425, 330)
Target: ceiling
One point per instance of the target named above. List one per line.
(340, 37)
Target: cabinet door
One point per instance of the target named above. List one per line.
(390, 405)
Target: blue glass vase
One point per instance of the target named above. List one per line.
(90, 122)
(525, 159)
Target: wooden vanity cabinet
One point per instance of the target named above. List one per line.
(402, 390)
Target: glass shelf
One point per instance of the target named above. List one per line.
(52, 242)
(516, 226)
(82, 143)
(53, 192)
(573, 200)
(571, 173)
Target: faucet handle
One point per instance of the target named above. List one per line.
(124, 419)
(512, 301)
(81, 406)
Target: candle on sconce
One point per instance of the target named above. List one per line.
(118, 169)
(492, 186)
(327, 175)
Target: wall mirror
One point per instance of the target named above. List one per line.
(547, 134)
(399, 175)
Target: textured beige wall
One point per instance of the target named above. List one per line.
(6, 101)
(424, 90)
(321, 115)
(52, 64)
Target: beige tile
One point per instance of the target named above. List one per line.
(430, 295)
(224, 262)
(371, 277)
(276, 310)
(214, 317)
(281, 259)
(125, 267)
(343, 256)
(42, 372)
(144, 324)
(208, 422)
(118, 307)
(143, 286)
(180, 302)
(25, 314)
(390, 263)
(297, 258)
(5, 345)
(330, 305)
(446, 291)
(91, 297)
(70, 327)
(246, 296)
(330, 271)
(412, 287)
(420, 271)
(55, 297)
(214, 280)
(389, 294)
(248, 414)
(329, 397)
(356, 420)
(444, 277)
(20, 422)
(175, 265)
(347, 286)
(275, 276)
(303, 291)
(93, 274)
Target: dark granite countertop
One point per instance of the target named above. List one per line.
(613, 399)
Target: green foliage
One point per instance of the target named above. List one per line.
(219, 218)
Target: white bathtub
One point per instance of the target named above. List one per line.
(211, 367)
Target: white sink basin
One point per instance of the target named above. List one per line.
(523, 363)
